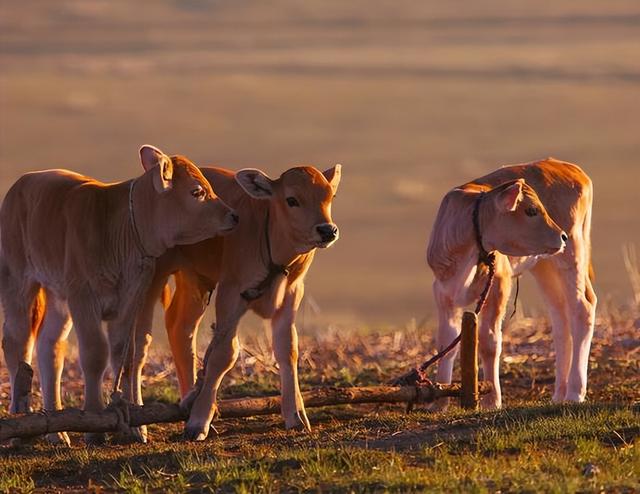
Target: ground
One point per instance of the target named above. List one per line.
(529, 446)
(413, 98)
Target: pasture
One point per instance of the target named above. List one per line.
(412, 98)
(530, 446)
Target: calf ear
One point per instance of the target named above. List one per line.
(255, 183)
(151, 156)
(333, 177)
(509, 197)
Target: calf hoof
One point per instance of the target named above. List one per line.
(298, 422)
(491, 401)
(95, 438)
(575, 397)
(441, 405)
(140, 434)
(21, 442)
(134, 435)
(299, 427)
(58, 439)
(195, 433)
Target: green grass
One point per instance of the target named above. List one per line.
(536, 448)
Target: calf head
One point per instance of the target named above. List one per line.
(300, 203)
(181, 207)
(516, 223)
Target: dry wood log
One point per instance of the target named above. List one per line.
(110, 420)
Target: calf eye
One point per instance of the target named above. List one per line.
(199, 193)
(532, 211)
(293, 202)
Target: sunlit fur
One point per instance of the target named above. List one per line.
(564, 195)
(69, 245)
(235, 263)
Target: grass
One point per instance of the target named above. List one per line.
(413, 98)
(530, 446)
(535, 448)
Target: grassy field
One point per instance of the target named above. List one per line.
(536, 448)
(530, 446)
(412, 98)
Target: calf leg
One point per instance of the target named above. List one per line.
(448, 330)
(132, 379)
(94, 353)
(490, 338)
(285, 347)
(553, 293)
(582, 304)
(220, 358)
(182, 319)
(23, 308)
(51, 346)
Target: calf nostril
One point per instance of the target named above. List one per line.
(235, 218)
(564, 237)
(327, 230)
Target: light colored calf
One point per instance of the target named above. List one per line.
(75, 248)
(259, 267)
(523, 216)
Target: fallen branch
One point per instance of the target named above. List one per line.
(109, 420)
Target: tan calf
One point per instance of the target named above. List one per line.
(86, 250)
(260, 267)
(522, 218)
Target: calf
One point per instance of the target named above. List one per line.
(260, 266)
(523, 214)
(75, 248)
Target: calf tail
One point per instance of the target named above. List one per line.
(166, 296)
(37, 311)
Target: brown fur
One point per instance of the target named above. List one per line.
(70, 241)
(563, 195)
(231, 265)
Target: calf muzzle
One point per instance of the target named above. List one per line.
(328, 232)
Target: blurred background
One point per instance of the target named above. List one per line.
(413, 98)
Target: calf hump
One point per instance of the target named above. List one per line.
(450, 232)
(225, 186)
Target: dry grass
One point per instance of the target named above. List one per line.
(412, 98)
(529, 446)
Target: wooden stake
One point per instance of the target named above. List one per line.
(469, 361)
(74, 420)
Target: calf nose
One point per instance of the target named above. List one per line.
(327, 231)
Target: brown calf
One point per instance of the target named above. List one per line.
(87, 251)
(260, 267)
(522, 218)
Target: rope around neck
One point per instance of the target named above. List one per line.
(132, 218)
(488, 259)
(146, 263)
(274, 270)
